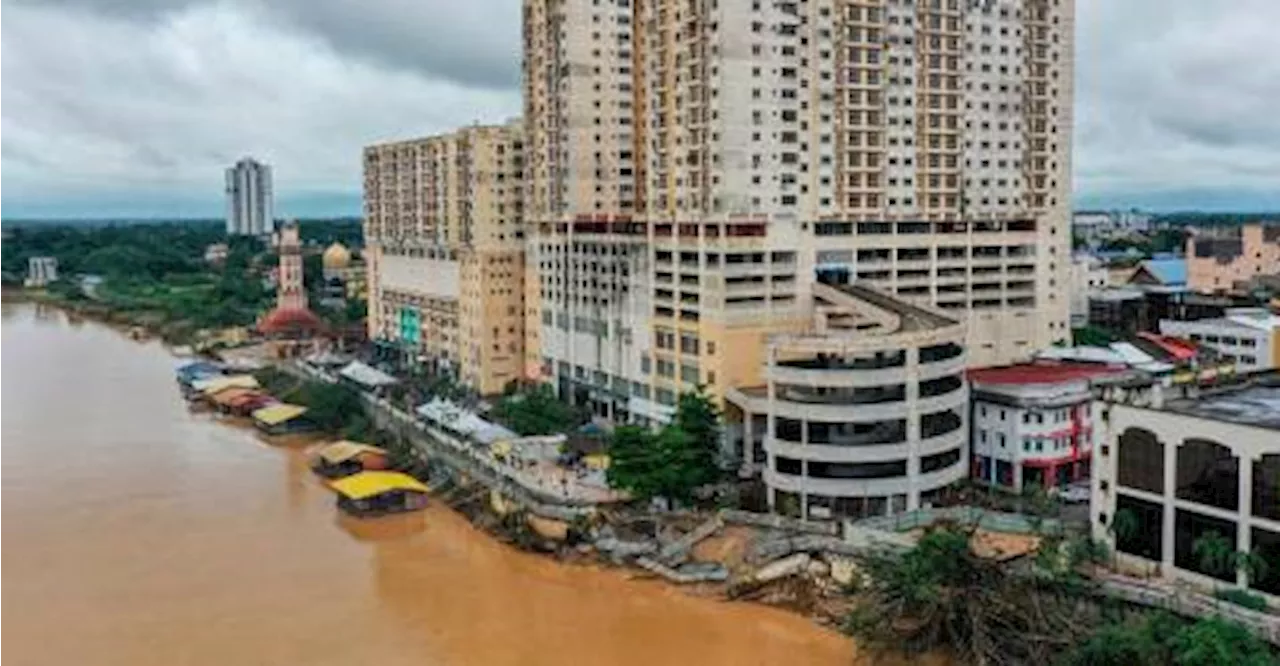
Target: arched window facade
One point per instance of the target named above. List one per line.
(1266, 487)
(1208, 473)
(1141, 460)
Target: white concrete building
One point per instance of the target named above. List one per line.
(1248, 337)
(1180, 469)
(250, 202)
(1095, 226)
(864, 414)
(1034, 423)
(41, 271)
(1089, 276)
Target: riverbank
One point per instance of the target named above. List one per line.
(139, 532)
(148, 324)
(665, 546)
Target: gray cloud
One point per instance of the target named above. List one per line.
(158, 104)
(149, 99)
(1177, 95)
(474, 43)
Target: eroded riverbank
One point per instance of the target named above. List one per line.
(139, 533)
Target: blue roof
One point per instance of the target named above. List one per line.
(197, 369)
(1170, 272)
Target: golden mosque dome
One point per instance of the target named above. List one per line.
(336, 256)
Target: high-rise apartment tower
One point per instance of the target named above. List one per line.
(250, 205)
(695, 166)
(444, 235)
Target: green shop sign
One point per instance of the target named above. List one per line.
(409, 325)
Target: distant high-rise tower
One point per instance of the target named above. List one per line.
(250, 207)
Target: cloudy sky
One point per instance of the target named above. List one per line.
(134, 107)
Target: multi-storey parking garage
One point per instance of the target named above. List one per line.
(865, 414)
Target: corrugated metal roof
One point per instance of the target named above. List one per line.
(216, 384)
(277, 414)
(463, 421)
(366, 375)
(1170, 272)
(369, 484)
(343, 451)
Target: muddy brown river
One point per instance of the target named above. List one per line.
(137, 533)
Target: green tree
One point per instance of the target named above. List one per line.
(1140, 642)
(537, 411)
(330, 406)
(676, 460)
(941, 594)
(1216, 641)
(635, 462)
(698, 417)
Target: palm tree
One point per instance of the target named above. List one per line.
(1215, 554)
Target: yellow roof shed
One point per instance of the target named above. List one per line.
(339, 452)
(277, 414)
(370, 484)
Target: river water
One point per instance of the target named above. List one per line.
(137, 533)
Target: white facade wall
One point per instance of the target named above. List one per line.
(1016, 434)
(427, 276)
(41, 271)
(1247, 443)
(594, 313)
(1088, 276)
(1249, 347)
(993, 117)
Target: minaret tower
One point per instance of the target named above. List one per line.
(290, 294)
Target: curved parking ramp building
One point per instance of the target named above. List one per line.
(863, 415)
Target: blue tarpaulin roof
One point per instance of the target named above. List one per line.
(1170, 272)
(197, 369)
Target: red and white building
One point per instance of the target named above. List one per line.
(1033, 423)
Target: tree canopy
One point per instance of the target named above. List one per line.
(674, 461)
(536, 410)
(1161, 639)
(157, 271)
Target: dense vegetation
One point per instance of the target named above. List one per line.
(674, 461)
(156, 273)
(1038, 609)
(335, 408)
(537, 411)
(1160, 639)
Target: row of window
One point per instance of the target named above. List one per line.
(1036, 416)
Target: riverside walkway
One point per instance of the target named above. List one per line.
(528, 474)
